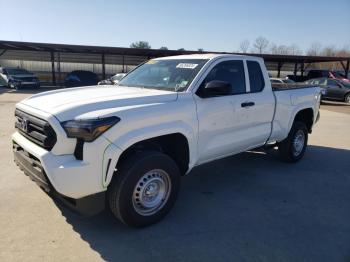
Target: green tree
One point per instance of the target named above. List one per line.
(181, 49)
(163, 48)
(141, 45)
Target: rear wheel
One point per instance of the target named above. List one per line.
(292, 149)
(144, 188)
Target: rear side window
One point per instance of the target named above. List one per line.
(228, 71)
(256, 77)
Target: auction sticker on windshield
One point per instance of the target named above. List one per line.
(187, 65)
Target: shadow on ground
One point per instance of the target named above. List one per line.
(338, 107)
(333, 103)
(249, 207)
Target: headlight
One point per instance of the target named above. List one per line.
(90, 129)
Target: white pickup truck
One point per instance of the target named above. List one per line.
(131, 143)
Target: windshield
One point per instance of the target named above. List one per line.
(172, 75)
(17, 71)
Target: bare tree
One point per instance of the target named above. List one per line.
(260, 44)
(141, 45)
(244, 46)
(274, 49)
(295, 50)
(329, 51)
(283, 50)
(314, 49)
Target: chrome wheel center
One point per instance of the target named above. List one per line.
(298, 143)
(151, 192)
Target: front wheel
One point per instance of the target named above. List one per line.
(292, 149)
(347, 99)
(11, 85)
(144, 189)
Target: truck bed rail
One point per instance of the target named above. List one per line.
(284, 86)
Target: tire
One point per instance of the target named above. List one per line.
(11, 85)
(144, 170)
(289, 149)
(347, 98)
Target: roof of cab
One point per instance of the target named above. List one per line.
(207, 56)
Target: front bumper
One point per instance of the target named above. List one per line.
(32, 167)
(64, 175)
(26, 84)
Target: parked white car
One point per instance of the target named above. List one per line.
(132, 142)
(281, 81)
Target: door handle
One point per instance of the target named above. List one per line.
(247, 104)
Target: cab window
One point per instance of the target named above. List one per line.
(256, 78)
(227, 71)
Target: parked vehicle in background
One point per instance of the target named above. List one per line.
(281, 80)
(81, 78)
(335, 89)
(17, 78)
(316, 73)
(113, 80)
(326, 73)
(341, 76)
(132, 142)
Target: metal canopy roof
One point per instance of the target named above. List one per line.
(105, 55)
(65, 48)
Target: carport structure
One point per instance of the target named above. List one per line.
(57, 54)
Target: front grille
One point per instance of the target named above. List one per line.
(37, 130)
(27, 79)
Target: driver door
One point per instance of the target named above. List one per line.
(223, 120)
(335, 90)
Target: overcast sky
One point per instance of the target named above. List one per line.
(212, 25)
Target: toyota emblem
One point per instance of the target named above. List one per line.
(24, 125)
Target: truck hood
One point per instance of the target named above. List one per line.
(71, 103)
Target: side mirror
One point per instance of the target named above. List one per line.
(216, 88)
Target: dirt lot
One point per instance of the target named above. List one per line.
(249, 207)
